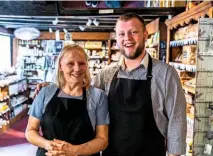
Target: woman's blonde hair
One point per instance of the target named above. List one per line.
(58, 77)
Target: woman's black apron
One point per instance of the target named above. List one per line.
(132, 130)
(68, 120)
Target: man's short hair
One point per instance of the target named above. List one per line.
(130, 15)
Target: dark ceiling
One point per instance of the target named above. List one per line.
(72, 14)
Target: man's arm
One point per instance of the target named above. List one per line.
(173, 155)
(38, 88)
(98, 80)
(175, 105)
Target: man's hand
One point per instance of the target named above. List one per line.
(63, 149)
(38, 88)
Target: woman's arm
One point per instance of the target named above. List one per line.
(33, 136)
(96, 145)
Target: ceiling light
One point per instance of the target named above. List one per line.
(55, 22)
(65, 30)
(95, 22)
(50, 30)
(27, 33)
(89, 22)
(82, 28)
(57, 35)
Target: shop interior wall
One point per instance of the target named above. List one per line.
(75, 36)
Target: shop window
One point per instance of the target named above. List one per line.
(5, 52)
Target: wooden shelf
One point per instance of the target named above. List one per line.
(189, 89)
(5, 111)
(180, 43)
(18, 117)
(190, 116)
(24, 100)
(185, 18)
(12, 82)
(4, 98)
(183, 67)
(115, 49)
(94, 48)
(20, 92)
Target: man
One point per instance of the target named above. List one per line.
(146, 101)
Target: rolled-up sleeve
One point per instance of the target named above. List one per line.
(36, 109)
(102, 114)
(98, 81)
(176, 110)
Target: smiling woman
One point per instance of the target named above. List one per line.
(72, 67)
(72, 114)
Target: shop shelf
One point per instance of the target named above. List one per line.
(11, 82)
(180, 43)
(4, 98)
(24, 100)
(116, 49)
(96, 57)
(19, 92)
(184, 67)
(189, 89)
(5, 111)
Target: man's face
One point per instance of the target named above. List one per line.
(131, 38)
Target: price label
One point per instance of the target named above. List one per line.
(208, 149)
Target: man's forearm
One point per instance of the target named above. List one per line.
(93, 146)
(173, 155)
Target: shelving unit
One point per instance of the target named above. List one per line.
(14, 100)
(39, 56)
(98, 54)
(156, 42)
(184, 31)
(37, 60)
(114, 51)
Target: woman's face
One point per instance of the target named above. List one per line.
(74, 66)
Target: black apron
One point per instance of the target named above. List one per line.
(132, 130)
(68, 120)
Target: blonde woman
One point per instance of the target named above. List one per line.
(72, 114)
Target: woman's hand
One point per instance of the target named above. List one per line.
(51, 145)
(62, 148)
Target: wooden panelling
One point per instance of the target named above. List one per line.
(204, 8)
(153, 26)
(77, 36)
(163, 31)
(112, 36)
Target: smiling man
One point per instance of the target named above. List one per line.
(146, 101)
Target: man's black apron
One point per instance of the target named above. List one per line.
(132, 130)
(67, 119)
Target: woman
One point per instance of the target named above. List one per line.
(72, 114)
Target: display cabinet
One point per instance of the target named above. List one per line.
(156, 43)
(13, 100)
(189, 51)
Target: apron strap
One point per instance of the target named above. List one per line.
(149, 71)
(84, 93)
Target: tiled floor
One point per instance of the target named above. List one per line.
(14, 143)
